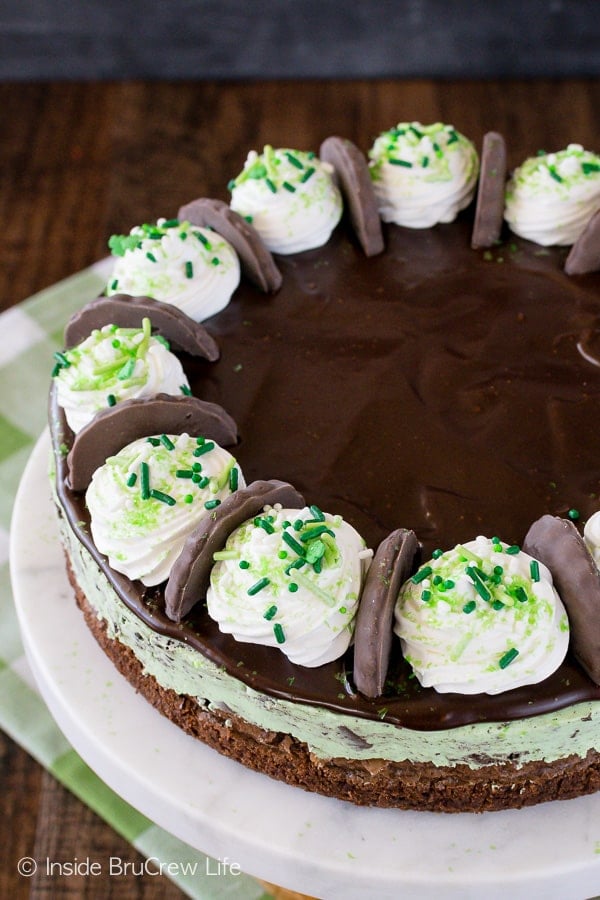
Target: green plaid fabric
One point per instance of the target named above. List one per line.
(31, 333)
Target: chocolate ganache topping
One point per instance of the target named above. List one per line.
(432, 387)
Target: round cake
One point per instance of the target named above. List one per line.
(381, 590)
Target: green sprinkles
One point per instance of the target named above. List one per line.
(467, 554)
(204, 448)
(270, 613)
(265, 524)
(162, 497)
(294, 160)
(189, 269)
(61, 359)
(144, 481)
(292, 543)
(478, 584)
(421, 575)
(316, 532)
(258, 586)
(225, 554)
(508, 657)
(127, 371)
(521, 594)
(279, 633)
(534, 570)
(203, 240)
(167, 442)
(111, 400)
(212, 504)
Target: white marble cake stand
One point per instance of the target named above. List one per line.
(308, 843)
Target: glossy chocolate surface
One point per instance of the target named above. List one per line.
(435, 387)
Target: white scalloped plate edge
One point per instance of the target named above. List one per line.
(303, 841)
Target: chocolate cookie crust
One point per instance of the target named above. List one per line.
(373, 782)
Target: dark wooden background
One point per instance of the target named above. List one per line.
(79, 161)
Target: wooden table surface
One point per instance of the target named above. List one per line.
(81, 161)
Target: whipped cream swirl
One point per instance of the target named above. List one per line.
(422, 174)
(290, 579)
(481, 618)
(111, 365)
(145, 500)
(193, 268)
(591, 536)
(290, 198)
(551, 197)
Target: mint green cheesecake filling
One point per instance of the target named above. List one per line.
(176, 666)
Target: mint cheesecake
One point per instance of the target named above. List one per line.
(338, 531)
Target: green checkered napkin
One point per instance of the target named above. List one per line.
(31, 333)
